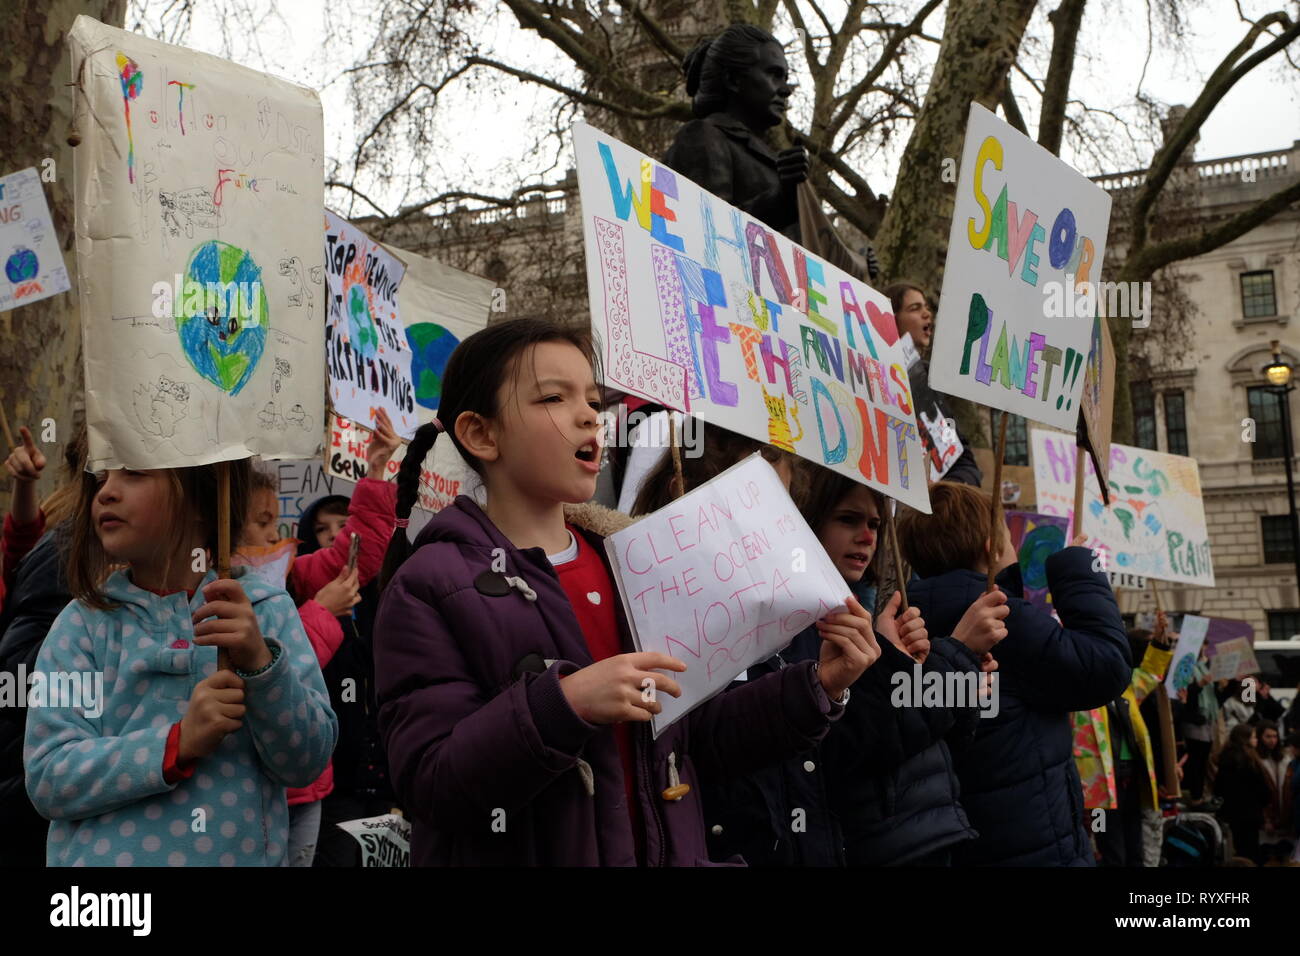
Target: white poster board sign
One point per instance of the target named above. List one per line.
(29, 247)
(721, 578)
(704, 309)
(385, 840)
(365, 338)
(1024, 254)
(198, 183)
(1155, 524)
(1182, 665)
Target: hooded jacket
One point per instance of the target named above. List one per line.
(1019, 785)
(97, 772)
(489, 760)
(372, 514)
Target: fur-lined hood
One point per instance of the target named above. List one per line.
(597, 519)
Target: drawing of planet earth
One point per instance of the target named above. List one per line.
(431, 346)
(361, 326)
(223, 345)
(1184, 671)
(22, 265)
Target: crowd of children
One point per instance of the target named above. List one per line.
(482, 681)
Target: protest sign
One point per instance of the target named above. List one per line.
(1026, 247)
(704, 309)
(194, 183)
(443, 477)
(385, 840)
(1099, 401)
(1233, 659)
(1182, 665)
(1036, 537)
(1155, 525)
(722, 577)
(938, 428)
(365, 339)
(29, 247)
(1226, 629)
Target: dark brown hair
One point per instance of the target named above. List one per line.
(472, 381)
(720, 449)
(61, 504)
(895, 292)
(822, 490)
(190, 491)
(260, 480)
(953, 536)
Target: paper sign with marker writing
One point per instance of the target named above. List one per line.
(722, 578)
(198, 185)
(705, 309)
(29, 247)
(365, 339)
(1026, 247)
(1183, 664)
(1233, 658)
(1155, 524)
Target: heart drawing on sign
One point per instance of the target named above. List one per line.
(222, 317)
(593, 597)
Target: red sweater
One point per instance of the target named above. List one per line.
(18, 539)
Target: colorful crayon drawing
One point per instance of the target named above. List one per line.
(225, 339)
(1036, 537)
(180, 106)
(431, 346)
(22, 265)
(361, 326)
(132, 83)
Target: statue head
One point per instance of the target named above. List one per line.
(742, 71)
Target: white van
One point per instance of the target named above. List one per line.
(1279, 666)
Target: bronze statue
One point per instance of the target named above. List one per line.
(739, 84)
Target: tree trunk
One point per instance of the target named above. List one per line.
(980, 40)
(41, 374)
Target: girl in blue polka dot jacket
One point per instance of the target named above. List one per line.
(142, 752)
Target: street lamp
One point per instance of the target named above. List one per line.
(1278, 374)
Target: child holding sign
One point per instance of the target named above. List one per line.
(167, 740)
(1019, 784)
(515, 717)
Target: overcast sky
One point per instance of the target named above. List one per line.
(311, 42)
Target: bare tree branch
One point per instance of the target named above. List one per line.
(1066, 21)
(670, 47)
(348, 187)
(1011, 109)
(668, 107)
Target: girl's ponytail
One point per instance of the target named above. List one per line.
(408, 492)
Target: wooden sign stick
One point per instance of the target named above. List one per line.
(995, 513)
(677, 455)
(1168, 748)
(892, 530)
(223, 542)
(4, 423)
(1080, 457)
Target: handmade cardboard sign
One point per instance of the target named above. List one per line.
(1036, 537)
(938, 429)
(1155, 525)
(196, 186)
(704, 309)
(365, 338)
(1019, 284)
(721, 578)
(29, 247)
(1183, 664)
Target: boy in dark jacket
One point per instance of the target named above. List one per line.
(1019, 784)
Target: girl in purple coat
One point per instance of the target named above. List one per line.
(510, 701)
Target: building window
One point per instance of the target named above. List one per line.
(1144, 415)
(1017, 437)
(1257, 296)
(1175, 423)
(1263, 405)
(1276, 532)
(1283, 625)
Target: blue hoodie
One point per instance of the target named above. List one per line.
(97, 771)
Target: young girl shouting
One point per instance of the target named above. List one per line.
(514, 714)
(175, 763)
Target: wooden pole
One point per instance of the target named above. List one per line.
(223, 541)
(677, 455)
(1165, 713)
(4, 423)
(892, 530)
(1080, 459)
(995, 513)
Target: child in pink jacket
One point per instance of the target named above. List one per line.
(323, 574)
